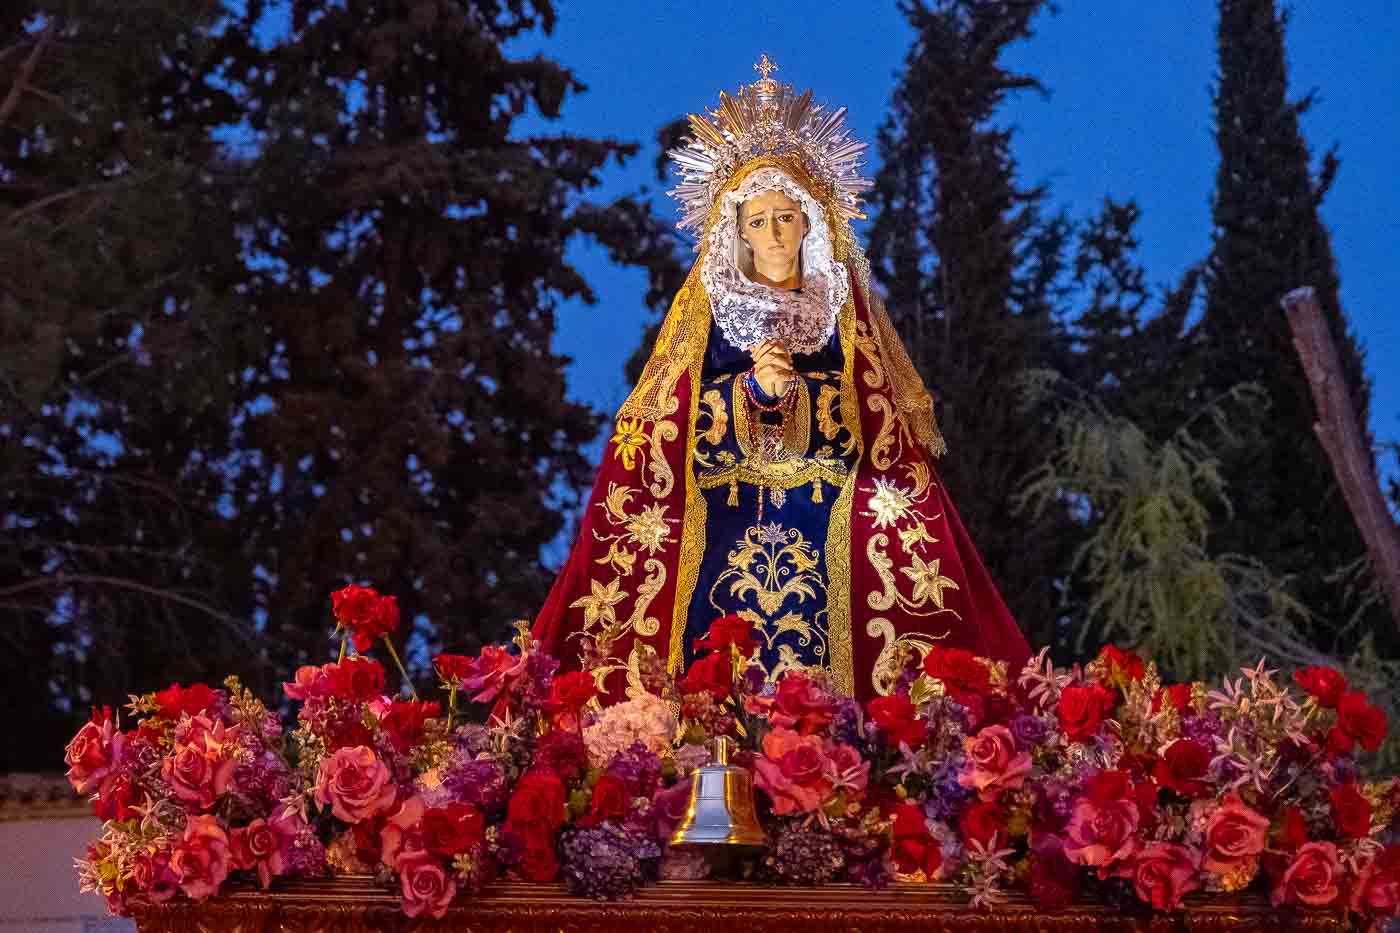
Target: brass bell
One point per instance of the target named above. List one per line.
(721, 809)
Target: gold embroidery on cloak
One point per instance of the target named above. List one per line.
(693, 527)
(838, 533)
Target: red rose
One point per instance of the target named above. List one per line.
(1313, 878)
(369, 843)
(453, 829)
(961, 672)
(1083, 709)
(1178, 696)
(1181, 767)
(571, 692)
(799, 703)
(191, 700)
(1350, 811)
(1235, 833)
(985, 822)
(95, 751)
(365, 614)
(1360, 721)
(726, 631)
(1292, 830)
(898, 719)
(352, 603)
(1325, 684)
(711, 674)
(453, 667)
(403, 724)
(118, 798)
(539, 862)
(1377, 889)
(914, 849)
(1121, 667)
(538, 801)
(609, 801)
(356, 679)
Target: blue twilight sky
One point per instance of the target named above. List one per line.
(1128, 115)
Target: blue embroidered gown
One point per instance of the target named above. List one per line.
(769, 479)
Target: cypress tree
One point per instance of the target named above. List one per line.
(969, 269)
(1268, 238)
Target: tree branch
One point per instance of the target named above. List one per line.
(11, 101)
(1341, 438)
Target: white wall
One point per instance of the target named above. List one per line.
(38, 885)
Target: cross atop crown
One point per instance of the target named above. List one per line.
(765, 66)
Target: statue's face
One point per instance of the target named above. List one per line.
(773, 225)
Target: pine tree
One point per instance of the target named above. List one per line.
(112, 405)
(406, 422)
(1268, 239)
(969, 268)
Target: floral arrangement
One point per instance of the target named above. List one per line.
(1060, 782)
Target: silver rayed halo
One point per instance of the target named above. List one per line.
(767, 118)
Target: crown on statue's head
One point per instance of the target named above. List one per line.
(768, 118)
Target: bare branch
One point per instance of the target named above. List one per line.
(26, 70)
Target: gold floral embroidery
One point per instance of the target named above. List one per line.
(895, 654)
(712, 407)
(929, 584)
(777, 571)
(829, 424)
(663, 477)
(629, 442)
(649, 529)
(598, 605)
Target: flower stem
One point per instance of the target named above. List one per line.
(395, 655)
(342, 650)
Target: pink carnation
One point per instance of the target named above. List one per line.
(310, 683)
(201, 857)
(355, 783)
(992, 763)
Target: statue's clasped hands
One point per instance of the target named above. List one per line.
(772, 367)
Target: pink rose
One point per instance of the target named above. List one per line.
(846, 771)
(426, 887)
(1234, 834)
(800, 704)
(150, 871)
(355, 783)
(1100, 832)
(259, 845)
(791, 771)
(402, 832)
(494, 671)
(1312, 878)
(993, 765)
(201, 858)
(200, 768)
(310, 683)
(94, 751)
(1162, 873)
(1376, 892)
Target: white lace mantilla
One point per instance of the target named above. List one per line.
(747, 312)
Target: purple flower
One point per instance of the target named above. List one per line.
(805, 856)
(606, 862)
(481, 783)
(638, 768)
(1030, 731)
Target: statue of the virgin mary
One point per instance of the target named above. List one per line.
(776, 459)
